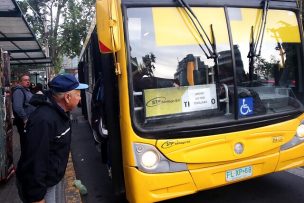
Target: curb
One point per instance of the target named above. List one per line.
(71, 193)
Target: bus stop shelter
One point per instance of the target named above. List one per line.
(18, 46)
(17, 38)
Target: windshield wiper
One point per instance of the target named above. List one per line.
(263, 26)
(253, 46)
(251, 54)
(215, 56)
(192, 16)
(211, 53)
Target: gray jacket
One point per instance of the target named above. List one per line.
(22, 109)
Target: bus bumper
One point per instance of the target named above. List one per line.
(215, 176)
(144, 188)
(291, 158)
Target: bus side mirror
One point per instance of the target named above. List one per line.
(108, 26)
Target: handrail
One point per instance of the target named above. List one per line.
(140, 107)
(226, 99)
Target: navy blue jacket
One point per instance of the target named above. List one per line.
(45, 149)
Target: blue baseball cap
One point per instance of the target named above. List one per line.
(65, 83)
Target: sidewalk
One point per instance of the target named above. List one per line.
(69, 193)
(88, 163)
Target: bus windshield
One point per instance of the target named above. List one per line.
(176, 85)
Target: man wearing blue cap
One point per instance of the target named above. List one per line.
(45, 149)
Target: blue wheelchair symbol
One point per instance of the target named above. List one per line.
(246, 106)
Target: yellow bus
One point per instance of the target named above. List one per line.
(189, 95)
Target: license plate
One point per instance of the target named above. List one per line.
(238, 173)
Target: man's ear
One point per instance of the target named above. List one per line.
(67, 98)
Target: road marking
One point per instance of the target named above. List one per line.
(297, 171)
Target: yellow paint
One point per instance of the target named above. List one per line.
(173, 26)
(108, 25)
(212, 157)
(291, 158)
(148, 188)
(281, 26)
(206, 178)
(220, 148)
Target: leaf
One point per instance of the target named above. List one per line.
(74, 21)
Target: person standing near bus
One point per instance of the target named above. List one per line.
(21, 106)
(45, 149)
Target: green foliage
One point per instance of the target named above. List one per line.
(74, 29)
(35, 16)
(61, 25)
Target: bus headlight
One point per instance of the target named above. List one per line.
(296, 140)
(300, 131)
(150, 160)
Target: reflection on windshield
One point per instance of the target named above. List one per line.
(175, 83)
(269, 73)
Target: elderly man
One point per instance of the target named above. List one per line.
(45, 149)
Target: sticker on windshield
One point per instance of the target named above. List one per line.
(167, 101)
(245, 106)
(199, 99)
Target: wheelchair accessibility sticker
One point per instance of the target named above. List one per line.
(245, 106)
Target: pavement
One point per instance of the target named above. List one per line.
(87, 162)
(68, 194)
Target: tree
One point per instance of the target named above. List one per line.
(74, 28)
(148, 64)
(60, 25)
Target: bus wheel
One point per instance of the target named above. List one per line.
(102, 129)
(100, 133)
